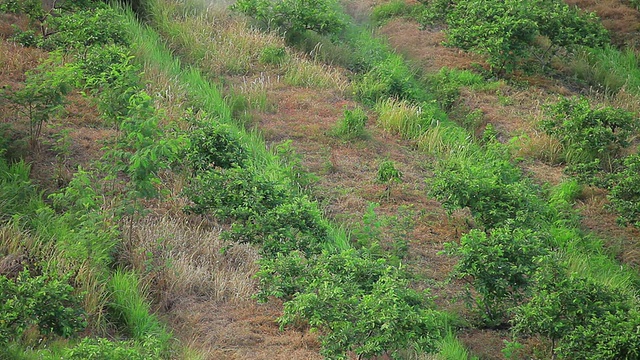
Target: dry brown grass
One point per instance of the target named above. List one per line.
(617, 16)
(425, 48)
(188, 259)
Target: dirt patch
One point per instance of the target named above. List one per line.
(621, 19)
(240, 330)
(425, 47)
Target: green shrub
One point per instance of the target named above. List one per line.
(506, 31)
(590, 135)
(499, 265)
(491, 187)
(499, 29)
(274, 55)
(293, 17)
(43, 95)
(625, 191)
(44, 301)
(351, 125)
(358, 301)
(394, 8)
(583, 319)
(103, 349)
(83, 29)
(390, 78)
(213, 145)
(235, 193)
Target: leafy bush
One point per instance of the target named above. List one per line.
(274, 55)
(590, 134)
(499, 29)
(499, 265)
(389, 78)
(358, 301)
(395, 8)
(625, 191)
(492, 188)
(213, 145)
(388, 175)
(583, 319)
(506, 31)
(351, 126)
(295, 16)
(44, 301)
(83, 29)
(42, 97)
(103, 349)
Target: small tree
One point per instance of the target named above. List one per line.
(42, 97)
(388, 175)
(499, 265)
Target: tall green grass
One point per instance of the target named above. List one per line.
(609, 69)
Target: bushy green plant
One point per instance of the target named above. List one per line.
(235, 192)
(103, 349)
(624, 193)
(274, 55)
(506, 31)
(80, 30)
(582, 318)
(492, 188)
(351, 125)
(499, 265)
(590, 134)
(42, 300)
(42, 97)
(388, 175)
(389, 78)
(499, 29)
(395, 8)
(294, 16)
(213, 145)
(358, 301)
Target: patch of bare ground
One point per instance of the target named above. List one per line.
(203, 285)
(596, 218)
(425, 47)
(622, 20)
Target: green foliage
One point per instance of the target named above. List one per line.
(582, 318)
(44, 301)
(590, 134)
(213, 145)
(499, 265)
(359, 302)
(81, 30)
(103, 349)
(499, 29)
(143, 148)
(491, 187)
(42, 97)
(609, 69)
(389, 78)
(130, 307)
(293, 17)
(435, 11)
(235, 192)
(351, 125)
(32, 8)
(274, 55)
(506, 31)
(394, 8)
(387, 173)
(624, 192)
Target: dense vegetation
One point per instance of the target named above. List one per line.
(76, 284)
